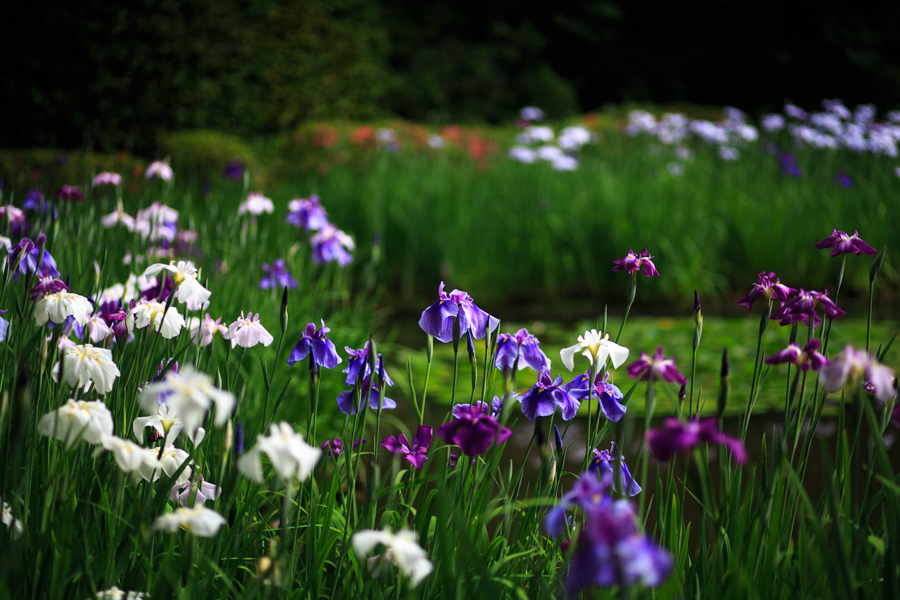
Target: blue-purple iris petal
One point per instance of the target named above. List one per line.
(300, 351)
(474, 320)
(325, 353)
(532, 355)
(611, 407)
(345, 401)
(507, 352)
(437, 320)
(567, 404)
(555, 521)
(537, 402)
(4, 327)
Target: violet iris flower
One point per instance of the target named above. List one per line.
(589, 490)
(307, 214)
(437, 319)
(473, 430)
(609, 396)
(331, 244)
(603, 465)
(24, 259)
(335, 447)
(676, 436)
(803, 306)
(895, 417)
(234, 169)
(545, 396)
(314, 340)
(415, 452)
(4, 326)
(70, 192)
(632, 263)
(359, 366)
(345, 399)
(844, 243)
(493, 409)
(522, 346)
(47, 284)
(115, 318)
(767, 287)
(856, 366)
(788, 164)
(277, 276)
(656, 368)
(805, 358)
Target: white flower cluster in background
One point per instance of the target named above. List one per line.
(540, 143)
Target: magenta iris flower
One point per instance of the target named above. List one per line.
(603, 466)
(545, 396)
(437, 319)
(345, 399)
(315, 341)
(359, 366)
(632, 263)
(609, 396)
(844, 243)
(307, 214)
(416, 452)
(767, 286)
(675, 437)
(473, 430)
(522, 346)
(335, 448)
(47, 284)
(805, 358)
(277, 276)
(655, 368)
(69, 193)
(115, 318)
(803, 306)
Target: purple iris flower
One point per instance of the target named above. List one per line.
(331, 244)
(234, 169)
(857, 366)
(805, 358)
(437, 319)
(47, 284)
(676, 436)
(803, 306)
(767, 286)
(69, 193)
(589, 490)
(114, 316)
(843, 179)
(157, 292)
(609, 396)
(603, 465)
(417, 451)
(612, 552)
(323, 350)
(4, 326)
(34, 201)
(277, 276)
(632, 263)
(493, 409)
(473, 430)
(545, 396)
(24, 258)
(345, 399)
(167, 368)
(307, 214)
(787, 162)
(359, 366)
(335, 447)
(656, 368)
(844, 243)
(522, 346)
(895, 417)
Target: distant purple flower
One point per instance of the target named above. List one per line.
(359, 366)
(345, 399)
(437, 319)
(323, 350)
(473, 430)
(331, 244)
(34, 201)
(895, 416)
(542, 399)
(767, 287)
(277, 276)
(107, 178)
(633, 263)
(24, 259)
(493, 409)
(522, 346)
(609, 396)
(234, 169)
(115, 318)
(805, 358)
(415, 452)
(4, 326)
(795, 111)
(47, 284)
(655, 368)
(843, 179)
(803, 306)
(772, 122)
(856, 366)
(335, 447)
(788, 165)
(676, 437)
(69, 193)
(307, 214)
(590, 490)
(844, 243)
(603, 465)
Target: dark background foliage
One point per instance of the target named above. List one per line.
(110, 75)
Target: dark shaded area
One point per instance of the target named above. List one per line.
(113, 75)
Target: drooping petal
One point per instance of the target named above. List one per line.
(568, 355)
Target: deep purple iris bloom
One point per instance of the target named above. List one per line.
(34, 201)
(47, 284)
(70, 192)
(603, 466)
(632, 263)
(676, 436)
(157, 292)
(656, 368)
(493, 409)
(844, 180)
(787, 162)
(473, 430)
(437, 319)
(895, 416)
(323, 350)
(345, 399)
(114, 316)
(307, 214)
(234, 169)
(277, 276)
(335, 447)
(359, 366)
(609, 396)
(612, 552)
(331, 244)
(545, 396)
(767, 286)
(803, 306)
(805, 358)
(4, 326)
(589, 490)
(24, 258)
(415, 452)
(522, 346)
(844, 243)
